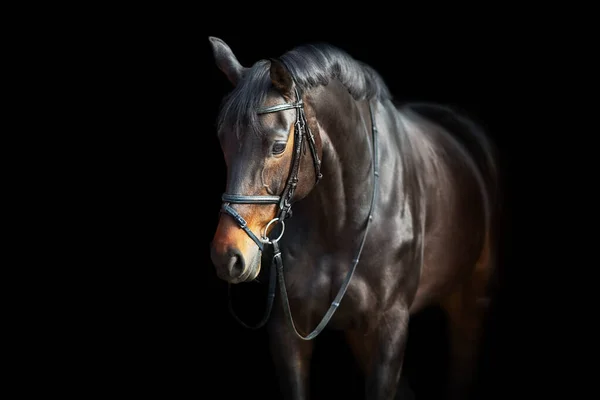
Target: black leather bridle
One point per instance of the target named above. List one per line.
(302, 134)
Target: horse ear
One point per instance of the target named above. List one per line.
(226, 60)
(281, 78)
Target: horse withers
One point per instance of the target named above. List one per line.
(361, 211)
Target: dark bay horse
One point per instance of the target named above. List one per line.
(361, 211)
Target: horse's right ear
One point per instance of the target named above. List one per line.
(226, 60)
(281, 78)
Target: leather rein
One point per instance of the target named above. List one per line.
(302, 134)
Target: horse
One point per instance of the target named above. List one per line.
(361, 209)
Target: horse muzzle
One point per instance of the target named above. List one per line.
(231, 265)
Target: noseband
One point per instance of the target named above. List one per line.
(301, 133)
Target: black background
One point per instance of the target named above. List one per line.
(170, 332)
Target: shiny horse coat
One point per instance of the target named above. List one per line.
(362, 212)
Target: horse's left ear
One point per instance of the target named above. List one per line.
(226, 60)
(281, 78)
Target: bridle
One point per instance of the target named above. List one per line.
(302, 135)
(302, 132)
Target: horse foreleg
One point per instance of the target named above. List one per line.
(381, 354)
(291, 356)
(465, 310)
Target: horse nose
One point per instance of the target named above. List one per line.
(229, 264)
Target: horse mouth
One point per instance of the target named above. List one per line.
(253, 267)
(255, 272)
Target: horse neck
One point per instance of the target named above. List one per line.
(342, 197)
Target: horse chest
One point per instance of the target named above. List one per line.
(312, 286)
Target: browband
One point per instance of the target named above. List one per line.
(279, 107)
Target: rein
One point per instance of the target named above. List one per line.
(301, 132)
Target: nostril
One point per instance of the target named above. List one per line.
(229, 262)
(235, 264)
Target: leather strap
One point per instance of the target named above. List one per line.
(342, 291)
(242, 224)
(242, 199)
(269, 307)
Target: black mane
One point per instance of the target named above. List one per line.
(311, 65)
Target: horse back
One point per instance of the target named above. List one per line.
(460, 184)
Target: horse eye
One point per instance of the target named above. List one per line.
(278, 147)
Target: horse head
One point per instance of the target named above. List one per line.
(263, 133)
